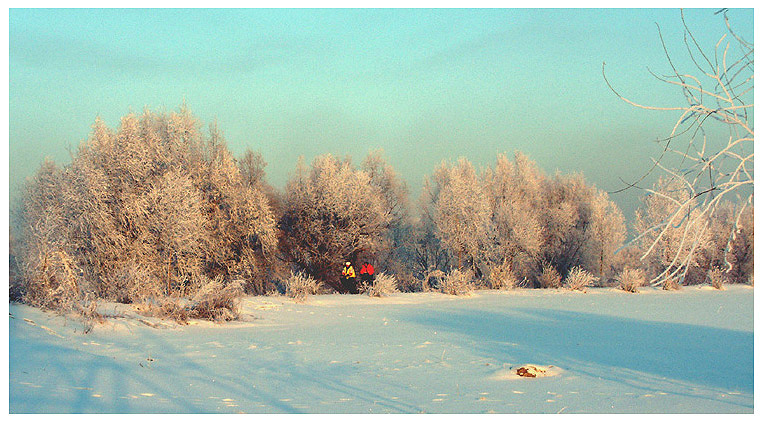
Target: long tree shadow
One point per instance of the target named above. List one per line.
(285, 378)
(712, 357)
(70, 372)
(280, 380)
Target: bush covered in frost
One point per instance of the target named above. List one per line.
(383, 284)
(300, 285)
(457, 282)
(578, 279)
(717, 278)
(502, 277)
(550, 278)
(631, 279)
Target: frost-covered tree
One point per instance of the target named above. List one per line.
(392, 188)
(242, 223)
(50, 277)
(332, 213)
(741, 251)
(561, 221)
(252, 166)
(514, 220)
(429, 253)
(515, 192)
(672, 240)
(605, 235)
(731, 249)
(463, 216)
(154, 209)
(398, 253)
(582, 226)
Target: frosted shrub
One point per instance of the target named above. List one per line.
(217, 300)
(578, 279)
(300, 285)
(717, 278)
(58, 285)
(502, 277)
(457, 282)
(631, 279)
(383, 284)
(550, 278)
(671, 284)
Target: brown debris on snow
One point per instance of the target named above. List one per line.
(525, 371)
(529, 371)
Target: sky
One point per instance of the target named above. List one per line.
(425, 85)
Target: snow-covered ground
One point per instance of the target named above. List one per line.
(657, 351)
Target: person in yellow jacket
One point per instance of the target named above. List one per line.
(348, 278)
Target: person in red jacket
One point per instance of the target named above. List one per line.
(367, 274)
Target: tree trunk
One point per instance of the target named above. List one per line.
(601, 264)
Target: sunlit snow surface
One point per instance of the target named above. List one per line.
(658, 351)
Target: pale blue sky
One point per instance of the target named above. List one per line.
(424, 85)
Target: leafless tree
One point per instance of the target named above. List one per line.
(709, 152)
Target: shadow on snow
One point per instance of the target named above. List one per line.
(589, 343)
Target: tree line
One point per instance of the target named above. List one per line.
(159, 211)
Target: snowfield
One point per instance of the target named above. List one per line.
(606, 351)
